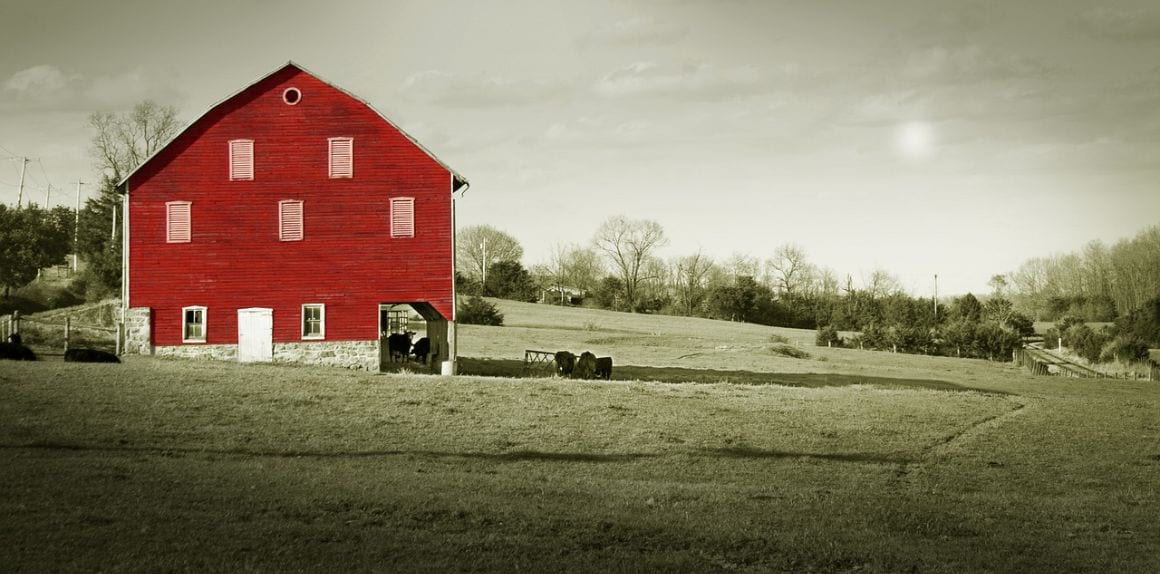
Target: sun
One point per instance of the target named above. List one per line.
(914, 139)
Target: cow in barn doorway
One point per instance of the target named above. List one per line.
(399, 345)
(421, 349)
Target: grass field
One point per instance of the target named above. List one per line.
(845, 461)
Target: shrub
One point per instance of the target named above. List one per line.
(1125, 348)
(787, 350)
(1085, 342)
(1021, 324)
(828, 337)
(476, 311)
(775, 338)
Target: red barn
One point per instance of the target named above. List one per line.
(290, 222)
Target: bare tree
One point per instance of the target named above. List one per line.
(479, 247)
(629, 243)
(691, 277)
(123, 141)
(881, 284)
(742, 265)
(584, 268)
(789, 268)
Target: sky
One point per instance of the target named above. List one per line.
(921, 137)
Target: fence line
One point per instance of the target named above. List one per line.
(10, 325)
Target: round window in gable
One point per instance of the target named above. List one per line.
(291, 96)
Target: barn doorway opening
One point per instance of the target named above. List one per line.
(419, 329)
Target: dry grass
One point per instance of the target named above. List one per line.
(859, 461)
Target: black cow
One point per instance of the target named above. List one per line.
(565, 362)
(421, 349)
(89, 356)
(604, 368)
(399, 345)
(16, 352)
(585, 366)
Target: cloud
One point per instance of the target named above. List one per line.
(479, 90)
(41, 81)
(970, 64)
(686, 81)
(1121, 24)
(46, 87)
(635, 32)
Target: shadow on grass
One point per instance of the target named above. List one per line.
(515, 368)
(513, 456)
(755, 453)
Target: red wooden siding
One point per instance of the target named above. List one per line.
(346, 259)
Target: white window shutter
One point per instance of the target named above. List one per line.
(177, 222)
(290, 220)
(241, 160)
(403, 217)
(341, 157)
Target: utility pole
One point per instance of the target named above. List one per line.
(77, 226)
(936, 296)
(483, 282)
(48, 197)
(20, 194)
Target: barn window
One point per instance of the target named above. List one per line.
(341, 157)
(177, 224)
(314, 321)
(193, 324)
(241, 160)
(291, 96)
(403, 217)
(290, 220)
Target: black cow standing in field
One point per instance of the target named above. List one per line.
(585, 366)
(421, 349)
(399, 345)
(16, 352)
(89, 356)
(604, 368)
(565, 363)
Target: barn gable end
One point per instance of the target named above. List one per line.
(289, 218)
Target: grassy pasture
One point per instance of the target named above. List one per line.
(846, 461)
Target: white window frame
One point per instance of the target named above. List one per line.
(321, 322)
(330, 158)
(169, 205)
(301, 222)
(403, 232)
(244, 176)
(185, 338)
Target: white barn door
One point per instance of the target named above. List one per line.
(255, 335)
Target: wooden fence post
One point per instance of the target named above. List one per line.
(67, 331)
(117, 336)
(15, 323)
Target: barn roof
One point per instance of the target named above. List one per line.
(460, 182)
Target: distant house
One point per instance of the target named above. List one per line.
(290, 222)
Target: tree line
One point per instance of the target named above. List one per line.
(1096, 283)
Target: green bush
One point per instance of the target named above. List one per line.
(828, 337)
(1125, 348)
(475, 311)
(787, 350)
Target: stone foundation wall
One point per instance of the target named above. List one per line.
(139, 331)
(363, 355)
(210, 352)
